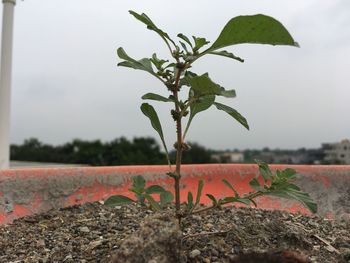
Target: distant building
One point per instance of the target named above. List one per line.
(228, 157)
(338, 153)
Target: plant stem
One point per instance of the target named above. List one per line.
(178, 144)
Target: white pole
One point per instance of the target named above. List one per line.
(5, 81)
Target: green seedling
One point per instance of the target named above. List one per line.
(200, 93)
(143, 193)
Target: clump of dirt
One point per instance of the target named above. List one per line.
(94, 233)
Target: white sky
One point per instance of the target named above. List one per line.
(66, 83)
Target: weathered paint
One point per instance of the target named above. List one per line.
(27, 191)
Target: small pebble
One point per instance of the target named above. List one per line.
(194, 253)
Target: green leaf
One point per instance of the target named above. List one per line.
(232, 112)
(244, 201)
(227, 183)
(151, 26)
(153, 203)
(155, 189)
(189, 200)
(158, 63)
(138, 183)
(157, 97)
(149, 111)
(254, 183)
(299, 196)
(256, 29)
(184, 38)
(213, 199)
(225, 53)
(118, 200)
(289, 173)
(203, 85)
(196, 107)
(166, 198)
(199, 42)
(183, 46)
(264, 170)
(199, 192)
(143, 64)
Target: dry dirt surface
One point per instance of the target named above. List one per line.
(94, 233)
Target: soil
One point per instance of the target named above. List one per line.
(94, 233)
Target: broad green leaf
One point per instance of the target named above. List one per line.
(225, 53)
(255, 29)
(184, 38)
(232, 112)
(155, 189)
(213, 199)
(138, 183)
(227, 93)
(143, 64)
(157, 97)
(166, 198)
(153, 203)
(151, 26)
(264, 170)
(203, 85)
(227, 183)
(199, 192)
(149, 111)
(254, 183)
(118, 200)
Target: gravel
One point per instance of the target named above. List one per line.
(94, 233)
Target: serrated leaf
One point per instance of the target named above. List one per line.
(166, 198)
(143, 64)
(149, 111)
(138, 183)
(155, 189)
(199, 192)
(153, 203)
(213, 199)
(233, 113)
(254, 183)
(184, 38)
(255, 29)
(225, 53)
(151, 26)
(157, 97)
(227, 183)
(118, 200)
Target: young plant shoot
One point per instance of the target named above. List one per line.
(202, 92)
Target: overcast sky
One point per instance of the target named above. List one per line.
(66, 83)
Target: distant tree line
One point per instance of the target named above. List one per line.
(120, 151)
(146, 150)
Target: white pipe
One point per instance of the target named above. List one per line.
(5, 81)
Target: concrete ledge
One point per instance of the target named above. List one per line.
(27, 191)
